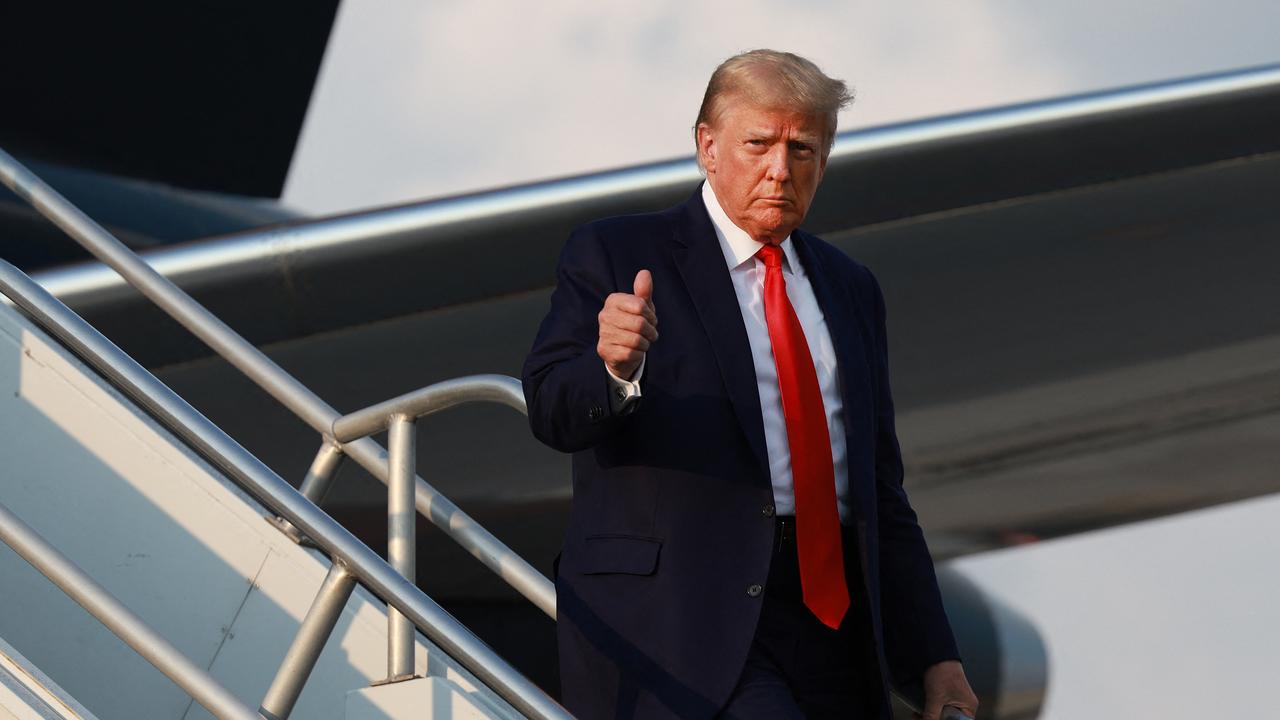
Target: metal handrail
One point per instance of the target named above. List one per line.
(277, 495)
(269, 376)
(399, 417)
(428, 400)
(301, 657)
(120, 620)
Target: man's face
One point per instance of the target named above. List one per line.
(764, 166)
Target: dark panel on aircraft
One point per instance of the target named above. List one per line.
(914, 180)
(206, 95)
(1077, 282)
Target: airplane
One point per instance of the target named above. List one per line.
(1075, 286)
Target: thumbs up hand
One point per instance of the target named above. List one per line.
(628, 325)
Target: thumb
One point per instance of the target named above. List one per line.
(644, 285)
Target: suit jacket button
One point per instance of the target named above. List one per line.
(768, 511)
(594, 413)
(754, 590)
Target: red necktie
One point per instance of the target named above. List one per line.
(812, 475)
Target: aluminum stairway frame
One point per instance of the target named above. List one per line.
(353, 558)
(409, 607)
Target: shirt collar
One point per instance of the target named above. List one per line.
(739, 247)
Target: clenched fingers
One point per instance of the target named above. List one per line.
(628, 326)
(618, 324)
(627, 304)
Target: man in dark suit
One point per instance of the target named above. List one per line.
(740, 544)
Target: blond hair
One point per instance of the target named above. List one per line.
(776, 80)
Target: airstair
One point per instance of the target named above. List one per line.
(150, 567)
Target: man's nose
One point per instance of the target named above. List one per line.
(779, 163)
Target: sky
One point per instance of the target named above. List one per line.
(417, 100)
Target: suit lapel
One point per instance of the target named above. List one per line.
(702, 266)
(846, 335)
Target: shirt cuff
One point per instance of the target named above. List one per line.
(624, 393)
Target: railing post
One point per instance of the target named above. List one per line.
(352, 431)
(316, 485)
(307, 645)
(402, 521)
(324, 468)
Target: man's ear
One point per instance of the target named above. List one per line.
(707, 147)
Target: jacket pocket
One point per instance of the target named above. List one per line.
(622, 554)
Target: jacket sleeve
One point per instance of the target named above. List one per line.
(566, 384)
(916, 631)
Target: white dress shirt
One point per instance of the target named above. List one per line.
(747, 273)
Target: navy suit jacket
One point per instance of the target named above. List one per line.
(672, 518)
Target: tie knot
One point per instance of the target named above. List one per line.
(771, 255)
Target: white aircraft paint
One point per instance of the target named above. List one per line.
(1174, 618)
